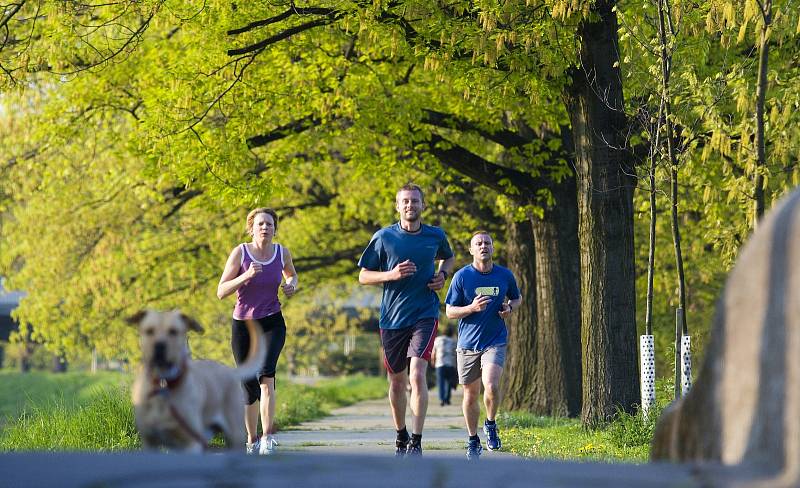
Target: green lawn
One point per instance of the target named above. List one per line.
(625, 440)
(79, 411)
(20, 391)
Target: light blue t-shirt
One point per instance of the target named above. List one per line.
(409, 300)
(481, 330)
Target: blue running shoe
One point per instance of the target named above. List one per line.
(492, 439)
(474, 450)
(414, 450)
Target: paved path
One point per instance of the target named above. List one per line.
(366, 428)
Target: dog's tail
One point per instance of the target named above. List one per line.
(256, 354)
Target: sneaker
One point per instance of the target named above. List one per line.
(401, 447)
(268, 445)
(474, 450)
(492, 439)
(414, 450)
(253, 447)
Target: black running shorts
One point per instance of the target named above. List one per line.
(415, 341)
(274, 329)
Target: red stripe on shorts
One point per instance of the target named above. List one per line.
(426, 354)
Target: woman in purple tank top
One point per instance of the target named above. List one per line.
(254, 271)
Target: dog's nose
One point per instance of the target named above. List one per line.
(160, 351)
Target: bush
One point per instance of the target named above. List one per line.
(360, 361)
(633, 430)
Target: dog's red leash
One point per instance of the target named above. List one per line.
(162, 386)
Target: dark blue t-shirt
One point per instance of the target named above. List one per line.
(481, 330)
(408, 300)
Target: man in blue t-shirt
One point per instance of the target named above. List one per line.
(402, 259)
(481, 296)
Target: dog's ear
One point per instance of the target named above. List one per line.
(136, 318)
(192, 324)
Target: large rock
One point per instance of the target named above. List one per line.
(744, 408)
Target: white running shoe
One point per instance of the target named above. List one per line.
(253, 447)
(268, 445)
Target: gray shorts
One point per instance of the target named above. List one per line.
(471, 362)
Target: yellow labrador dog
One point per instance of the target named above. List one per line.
(178, 402)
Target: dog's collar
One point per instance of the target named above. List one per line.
(171, 379)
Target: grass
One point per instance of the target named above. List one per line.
(104, 423)
(22, 392)
(96, 414)
(77, 411)
(300, 403)
(626, 439)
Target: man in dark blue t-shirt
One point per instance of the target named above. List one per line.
(402, 259)
(481, 296)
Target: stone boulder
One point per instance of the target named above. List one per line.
(743, 412)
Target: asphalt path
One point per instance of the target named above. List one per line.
(367, 428)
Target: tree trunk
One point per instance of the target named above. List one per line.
(521, 390)
(761, 93)
(605, 207)
(542, 373)
(558, 338)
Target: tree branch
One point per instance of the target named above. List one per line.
(294, 127)
(482, 171)
(505, 138)
(259, 46)
(313, 263)
(280, 17)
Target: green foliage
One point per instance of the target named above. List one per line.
(146, 141)
(633, 430)
(359, 361)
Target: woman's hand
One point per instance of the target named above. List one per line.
(288, 289)
(253, 270)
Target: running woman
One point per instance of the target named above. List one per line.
(254, 271)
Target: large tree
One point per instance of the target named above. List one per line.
(511, 111)
(606, 181)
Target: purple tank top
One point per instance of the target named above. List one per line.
(259, 297)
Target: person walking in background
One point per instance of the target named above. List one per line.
(254, 271)
(481, 296)
(444, 359)
(401, 258)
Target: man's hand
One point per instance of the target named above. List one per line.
(437, 282)
(480, 302)
(403, 270)
(505, 310)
